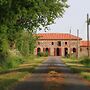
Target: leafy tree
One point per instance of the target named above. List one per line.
(32, 43)
(31, 13)
(16, 15)
(26, 42)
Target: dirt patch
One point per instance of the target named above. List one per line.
(54, 81)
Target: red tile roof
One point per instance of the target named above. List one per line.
(62, 36)
(84, 43)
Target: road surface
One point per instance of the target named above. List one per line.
(53, 74)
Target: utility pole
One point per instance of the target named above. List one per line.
(70, 43)
(77, 43)
(88, 34)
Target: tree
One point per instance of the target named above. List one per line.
(31, 14)
(16, 15)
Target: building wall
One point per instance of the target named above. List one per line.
(48, 44)
(84, 51)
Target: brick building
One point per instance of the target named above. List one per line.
(60, 44)
(84, 48)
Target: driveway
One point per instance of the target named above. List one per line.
(53, 74)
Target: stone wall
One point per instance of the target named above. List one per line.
(70, 44)
(84, 51)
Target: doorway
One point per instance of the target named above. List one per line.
(47, 51)
(58, 52)
(66, 51)
(38, 50)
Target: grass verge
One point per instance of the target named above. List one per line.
(11, 77)
(77, 67)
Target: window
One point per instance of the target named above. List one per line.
(87, 48)
(80, 49)
(59, 43)
(74, 50)
(65, 43)
(38, 43)
(52, 43)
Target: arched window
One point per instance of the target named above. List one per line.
(65, 43)
(65, 51)
(59, 43)
(74, 50)
(52, 43)
(38, 43)
(80, 49)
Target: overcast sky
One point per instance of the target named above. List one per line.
(74, 18)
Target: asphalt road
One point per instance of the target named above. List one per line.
(53, 74)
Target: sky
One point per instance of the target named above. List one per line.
(74, 18)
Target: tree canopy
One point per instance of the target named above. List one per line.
(31, 14)
(17, 16)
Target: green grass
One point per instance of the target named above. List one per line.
(9, 78)
(86, 75)
(85, 61)
(77, 67)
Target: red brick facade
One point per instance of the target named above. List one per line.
(61, 44)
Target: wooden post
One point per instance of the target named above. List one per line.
(54, 51)
(77, 43)
(70, 43)
(88, 34)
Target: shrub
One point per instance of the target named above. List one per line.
(68, 56)
(45, 54)
(85, 61)
(40, 54)
(12, 62)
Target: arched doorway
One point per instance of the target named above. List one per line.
(65, 51)
(47, 51)
(38, 50)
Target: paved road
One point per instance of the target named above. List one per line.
(53, 74)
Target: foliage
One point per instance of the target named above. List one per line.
(32, 42)
(86, 75)
(8, 80)
(41, 54)
(26, 43)
(76, 66)
(3, 43)
(31, 13)
(19, 19)
(11, 62)
(68, 56)
(46, 54)
(85, 61)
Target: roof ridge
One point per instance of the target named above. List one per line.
(52, 33)
(58, 36)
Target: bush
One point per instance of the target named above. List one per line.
(28, 58)
(85, 61)
(41, 54)
(12, 62)
(46, 54)
(68, 56)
